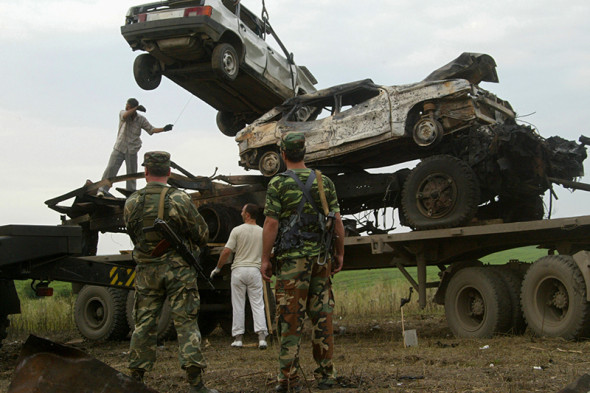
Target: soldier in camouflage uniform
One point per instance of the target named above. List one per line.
(162, 273)
(303, 282)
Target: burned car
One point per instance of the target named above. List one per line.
(476, 162)
(366, 125)
(218, 51)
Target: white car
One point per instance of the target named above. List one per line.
(218, 51)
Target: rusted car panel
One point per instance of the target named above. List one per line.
(48, 367)
(365, 119)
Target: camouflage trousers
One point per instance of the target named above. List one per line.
(153, 283)
(304, 287)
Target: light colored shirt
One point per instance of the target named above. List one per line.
(128, 138)
(245, 241)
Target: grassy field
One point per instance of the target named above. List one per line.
(359, 294)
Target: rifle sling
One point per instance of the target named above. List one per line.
(163, 245)
(322, 193)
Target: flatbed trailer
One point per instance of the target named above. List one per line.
(550, 295)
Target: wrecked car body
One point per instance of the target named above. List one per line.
(217, 50)
(476, 162)
(365, 125)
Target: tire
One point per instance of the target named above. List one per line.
(100, 313)
(476, 305)
(147, 72)
(441, 192)
(271, 163)
(513, 282)
(165, 329)
(225, 62)
(554, 298)
(220, 220)
(228, 123)
(4, 324)
(208, 321)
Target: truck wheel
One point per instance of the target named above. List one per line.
(475, 303)
(100, 314)
(147, 72)
(4, 324)
(165, 329)
(228, 123)
(208, 321)
(554, 298)
(225, 61)
(441, 192)
(513, 282)
(220, 220)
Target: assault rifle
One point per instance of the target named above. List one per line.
(173, 240)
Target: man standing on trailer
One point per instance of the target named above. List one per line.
(295, 226)
(246, 242)
(128, 142)
(162, 273)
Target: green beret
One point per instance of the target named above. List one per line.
(156, 159)
(293, 141)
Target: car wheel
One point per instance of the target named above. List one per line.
(147, 72)
(428, 132)
(271, 163)
(228, 123)
(225, 61)
(554, 300)
(165, 328)
(100, 313)
(441, 192)
(476, 304)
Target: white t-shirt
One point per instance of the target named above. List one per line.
(245, 241)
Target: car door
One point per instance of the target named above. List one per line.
(255, 47)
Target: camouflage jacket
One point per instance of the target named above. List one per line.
(283, 197)
(141, 209)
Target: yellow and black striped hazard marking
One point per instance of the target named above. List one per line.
(122, 277)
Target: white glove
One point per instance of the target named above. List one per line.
(215, 271)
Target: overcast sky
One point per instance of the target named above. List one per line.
(66, 72)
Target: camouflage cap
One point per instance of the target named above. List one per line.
(156, 159)
(293, 141)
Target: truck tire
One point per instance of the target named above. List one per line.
(220, 220)
(165, 329)
(554, 298)
(147, 72)
(208, 321)
(441, 192)
(100, 314)
(4, 324)
(225, 61)
(476, 305)
(513, 283)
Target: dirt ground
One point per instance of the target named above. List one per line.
(370, 357)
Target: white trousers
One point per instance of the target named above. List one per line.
(247, 280)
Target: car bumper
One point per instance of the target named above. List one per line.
(137, 33)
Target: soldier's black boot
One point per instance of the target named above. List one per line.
(137, 374)
(195, 379)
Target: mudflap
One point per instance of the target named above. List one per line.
(47, 367)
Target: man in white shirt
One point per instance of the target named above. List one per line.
(245, 241)
(128, 142)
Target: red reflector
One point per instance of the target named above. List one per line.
(141, 17)
(196, 11)
(44, 291)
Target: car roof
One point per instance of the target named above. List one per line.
(352, 92)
